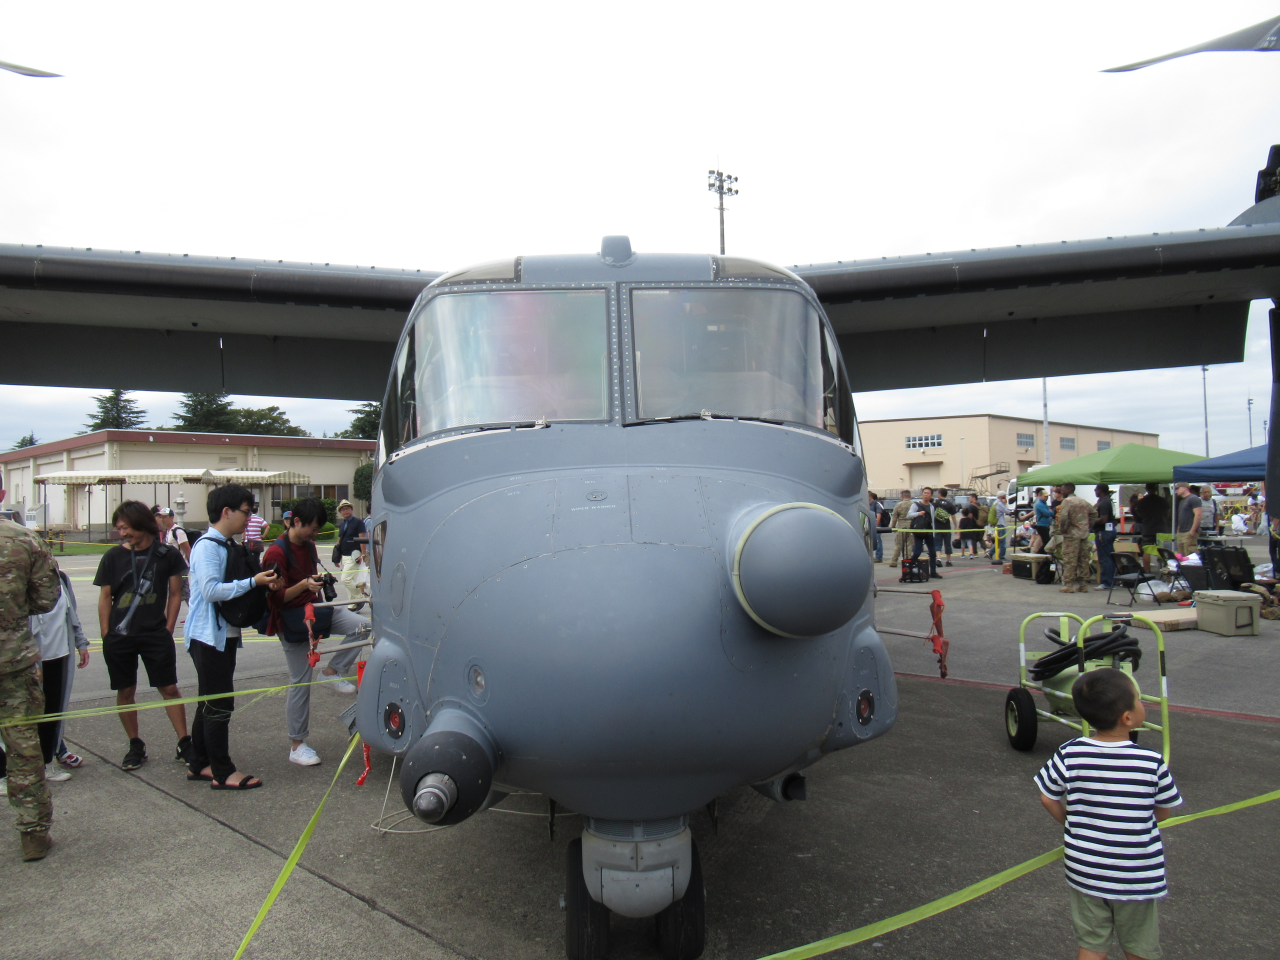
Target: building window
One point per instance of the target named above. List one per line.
(1104, 444)
(1066, 443)
(924, 440)
(1026, 439)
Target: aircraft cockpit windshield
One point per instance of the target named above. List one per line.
(736, 352)
(513, 356)
(480, 359)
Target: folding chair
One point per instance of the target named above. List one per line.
(1130, 575)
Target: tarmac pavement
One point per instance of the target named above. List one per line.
(150, 865)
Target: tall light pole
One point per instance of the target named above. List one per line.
(1204, 383)
(1044, 387)
(1251, 421)
(721, 184)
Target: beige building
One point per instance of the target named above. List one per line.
(69, 484)
(957, 451)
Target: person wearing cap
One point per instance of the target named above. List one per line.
(1104, 537)
(351, 554)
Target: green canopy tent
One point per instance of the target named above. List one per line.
(1127, 463)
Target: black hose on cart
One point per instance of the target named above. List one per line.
(1117, 643)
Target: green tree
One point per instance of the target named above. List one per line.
(268, 421)
(362, 482)
(206, 413)
(29, 440)
(116, 411)
(365, 424)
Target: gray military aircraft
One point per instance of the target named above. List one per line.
(621, 542)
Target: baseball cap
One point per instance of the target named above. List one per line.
(164, 512)
(287, 515)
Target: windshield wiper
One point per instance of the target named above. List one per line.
(527, 424)
(704, 415)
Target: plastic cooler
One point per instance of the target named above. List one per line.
(1228, 613)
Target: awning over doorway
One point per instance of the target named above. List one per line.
(93, 478)
(254, 478)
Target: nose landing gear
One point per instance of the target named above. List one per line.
(680, 927)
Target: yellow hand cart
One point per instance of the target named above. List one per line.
(1112, 649)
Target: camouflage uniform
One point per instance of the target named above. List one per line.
(1075, 518)
(29, 585)
(901, 526)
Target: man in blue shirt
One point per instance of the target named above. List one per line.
(212, 652)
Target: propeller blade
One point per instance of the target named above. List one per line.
(26, 71)
(1261, 37)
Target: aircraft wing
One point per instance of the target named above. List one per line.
(144, 321)
(1052, 309)
(1261, 37)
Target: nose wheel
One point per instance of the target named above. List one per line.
(682, 926)
(586, 922)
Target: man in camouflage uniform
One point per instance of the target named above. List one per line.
(28, 585)
(901, 527)
(1076, 518)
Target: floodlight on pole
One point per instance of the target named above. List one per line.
(721, 184)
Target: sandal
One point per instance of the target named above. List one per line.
(208, 778)
(248, 783)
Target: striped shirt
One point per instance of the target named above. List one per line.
(1111, 790)
(254, 529)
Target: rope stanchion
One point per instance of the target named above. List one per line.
(296, 855)
(156, 704)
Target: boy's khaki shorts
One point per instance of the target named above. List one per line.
(1134, 923)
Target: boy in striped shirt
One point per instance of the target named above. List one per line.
(1109, 794)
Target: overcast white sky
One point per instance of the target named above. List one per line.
(432, 135)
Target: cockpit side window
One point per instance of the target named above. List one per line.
(733, 351)
(399, 407)
(837, 401)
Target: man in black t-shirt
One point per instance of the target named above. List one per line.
(141, 591)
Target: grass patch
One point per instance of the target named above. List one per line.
(79, 549)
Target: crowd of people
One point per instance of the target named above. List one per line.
(231, 580)
(933, 524)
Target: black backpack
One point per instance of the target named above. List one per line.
(248, 608)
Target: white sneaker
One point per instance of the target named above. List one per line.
(4, 786)
(345, 686)
(55, 774)
(304, 756)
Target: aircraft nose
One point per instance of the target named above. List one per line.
(800, 570)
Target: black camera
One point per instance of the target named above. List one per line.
(327, 581)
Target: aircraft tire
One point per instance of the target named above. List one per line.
(682, 927)
(586, 922)
(1020, 720)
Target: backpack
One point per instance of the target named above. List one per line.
(993, 518)
(248, 608)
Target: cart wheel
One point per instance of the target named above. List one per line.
(1020, 719)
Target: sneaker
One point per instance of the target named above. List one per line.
(54, 775)
(948, 563)
(1102, 586)
(69, 759)
(345, 686)
(304, 756)
(186, 753)
(136, 756)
